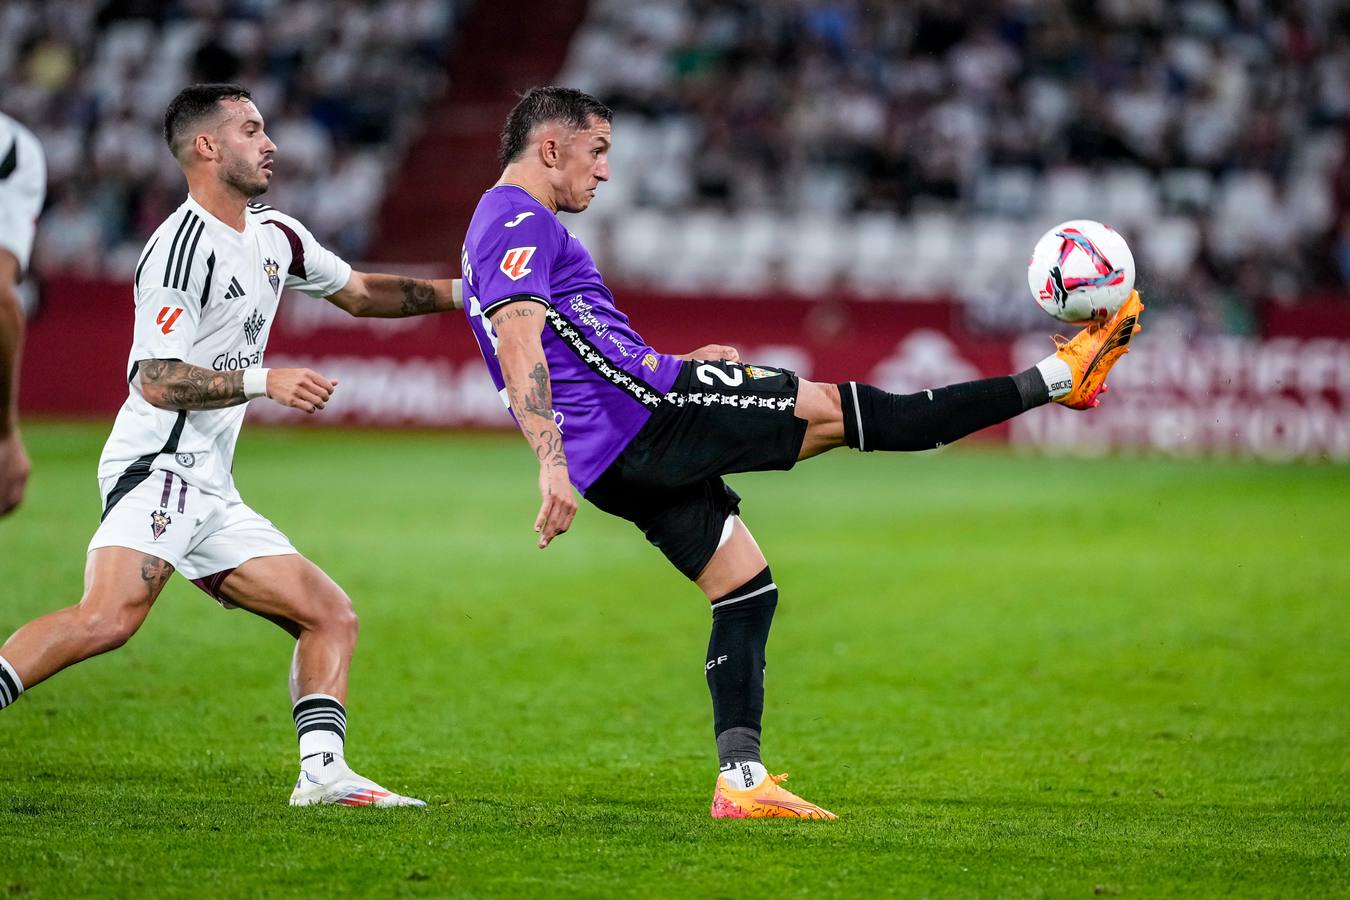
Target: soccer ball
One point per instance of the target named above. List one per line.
(1081, 271)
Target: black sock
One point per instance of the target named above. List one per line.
(735, 668)
(877, 420)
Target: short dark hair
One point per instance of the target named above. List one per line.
(192, 104)
(547, 104)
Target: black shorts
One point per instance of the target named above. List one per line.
(718, 418)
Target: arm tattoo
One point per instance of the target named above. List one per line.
(540, 399)
(418, 297)
(184, 386)
(548, 446)
(519, 311)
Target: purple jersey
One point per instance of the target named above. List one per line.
(606, 380)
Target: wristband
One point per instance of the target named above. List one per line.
(255, 383)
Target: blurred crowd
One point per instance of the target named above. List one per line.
(889, 149)
(1211, 132)
(340, 85)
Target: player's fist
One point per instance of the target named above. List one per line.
(13, 472)
(714, 352)
(299, 388)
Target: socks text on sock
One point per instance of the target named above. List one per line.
(744, 774)
(1057, 374)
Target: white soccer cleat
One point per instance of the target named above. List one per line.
(337, 784)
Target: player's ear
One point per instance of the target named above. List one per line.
(548, 152)
(204, 145)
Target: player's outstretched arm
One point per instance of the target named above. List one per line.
(171, 384)
(13, 459)
(520, 352)
(393, 296)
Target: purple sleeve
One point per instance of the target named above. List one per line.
(517, 262)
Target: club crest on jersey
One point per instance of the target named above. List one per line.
(513, 263)
(759, 372)
(273, 270)
(186, 460)
(253, 327)
(159, 522)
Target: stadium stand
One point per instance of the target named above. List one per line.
(343, 86)
(920, 148)
(887, 150)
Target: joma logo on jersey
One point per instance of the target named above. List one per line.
(167, 316)
(513, 263)
(253, 327)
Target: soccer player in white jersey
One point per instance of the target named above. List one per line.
(23, 184)
(206, 292)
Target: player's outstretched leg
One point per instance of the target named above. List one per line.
(867, 418)
(742, 616)
(120, 585)
(297, 595)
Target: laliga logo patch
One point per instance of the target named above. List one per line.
(513, 263)
(273, 270)
(167, 316)
(159, 522)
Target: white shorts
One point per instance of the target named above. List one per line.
(204, 536)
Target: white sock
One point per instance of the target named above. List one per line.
(1057, 374)
(743, 774)
(321, 725)
(10, 684)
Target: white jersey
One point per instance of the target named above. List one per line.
(23, 184)
(206, 295)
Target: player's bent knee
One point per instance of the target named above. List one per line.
(335, 613)
(105, 628)
(819, 404)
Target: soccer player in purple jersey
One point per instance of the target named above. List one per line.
(647, 435)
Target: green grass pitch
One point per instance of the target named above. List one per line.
(1011, 677)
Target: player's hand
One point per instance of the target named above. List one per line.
(14, 470)
(299, 388)
(713, 352)
(560, 504)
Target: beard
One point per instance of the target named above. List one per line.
(245, 180)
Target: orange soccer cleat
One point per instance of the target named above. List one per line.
(766, 801)
(1091, 353)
